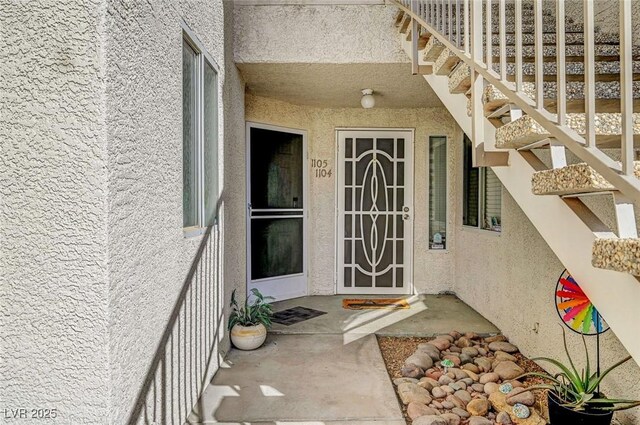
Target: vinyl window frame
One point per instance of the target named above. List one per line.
(446, 177)
(202, 58)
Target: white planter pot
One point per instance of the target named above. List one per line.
(248, 337)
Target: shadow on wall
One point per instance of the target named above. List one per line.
(187, 355)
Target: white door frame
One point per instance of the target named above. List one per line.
(408, 288)
(298, 283)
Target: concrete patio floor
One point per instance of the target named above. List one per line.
(326, 370)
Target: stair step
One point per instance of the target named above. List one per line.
(526, 131)
(550, 38)
(621, 255)
(433, 49)
(446, 61)
(574, 71)
(459, 79)
(575, 179)
(607, 96)
(573, 52)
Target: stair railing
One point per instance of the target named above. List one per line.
(441, 18)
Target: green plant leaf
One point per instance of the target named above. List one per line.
(574, 380)
(576, 375)
(594, 384)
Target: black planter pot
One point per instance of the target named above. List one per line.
(560, 415)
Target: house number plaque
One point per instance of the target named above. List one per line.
(321, 168)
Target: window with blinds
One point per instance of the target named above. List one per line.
(437, 192)
(482, 192)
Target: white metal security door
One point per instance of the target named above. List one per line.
(375, 211)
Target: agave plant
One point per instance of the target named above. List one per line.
(579, 390)
(253, 313)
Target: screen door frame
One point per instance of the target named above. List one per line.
(409, 135)
(287, 286)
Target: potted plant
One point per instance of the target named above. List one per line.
(574, 397)
(248, 325)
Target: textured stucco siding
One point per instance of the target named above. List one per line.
(511, 279)
(316, 34)
(53, 320)
(433, 270)
(149, 257)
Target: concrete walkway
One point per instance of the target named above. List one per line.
(326, 370)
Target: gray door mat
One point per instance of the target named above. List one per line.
(294, 315)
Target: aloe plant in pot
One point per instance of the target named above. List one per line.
(574, 395)
(248, 324)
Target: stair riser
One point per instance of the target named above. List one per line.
(525, 131)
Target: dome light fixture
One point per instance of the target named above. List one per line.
(367, 101)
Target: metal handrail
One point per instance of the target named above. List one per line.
(621, 176)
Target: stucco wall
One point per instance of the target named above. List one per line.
(53, 326)
(149, 257)
(316, 34)
(607, 15)
(511, 279)
(432, 269)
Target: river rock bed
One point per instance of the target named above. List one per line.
(468, 392)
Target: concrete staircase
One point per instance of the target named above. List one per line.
(551, 196)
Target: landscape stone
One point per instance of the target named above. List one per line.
(455, 334)
(415, 410)
(503, 418)
(440, 344)
(479, 420)
(499, 403)
(505, 346)
(451, 418)
(463, 395)
(448, 405)
(413, 393)
(478, 407)
(470, 351)
(471, 335)
(483, 363)
(495, 338)
(491, 387)
(411, 371)
(447, 389)
(456, 401)
(478, 387)
(430, 420)
(522, 396)
(438, 392)
(420, 359)
(489, 377)
(508, 370)
(399, 381)
(464, 342)
(445, 380)
(455, 349)
(465, 358)
(447, 337)
(460, 412)
(501, 355)
(431, 350)
(471, 367)
(427, 383)
(473, 376)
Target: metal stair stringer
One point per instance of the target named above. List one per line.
(569, 231)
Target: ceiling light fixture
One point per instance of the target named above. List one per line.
(367, 101)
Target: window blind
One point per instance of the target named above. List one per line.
(492, 217)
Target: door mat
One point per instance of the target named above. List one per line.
(374, 303)
(294, 315)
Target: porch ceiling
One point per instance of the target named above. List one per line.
(339, 85)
